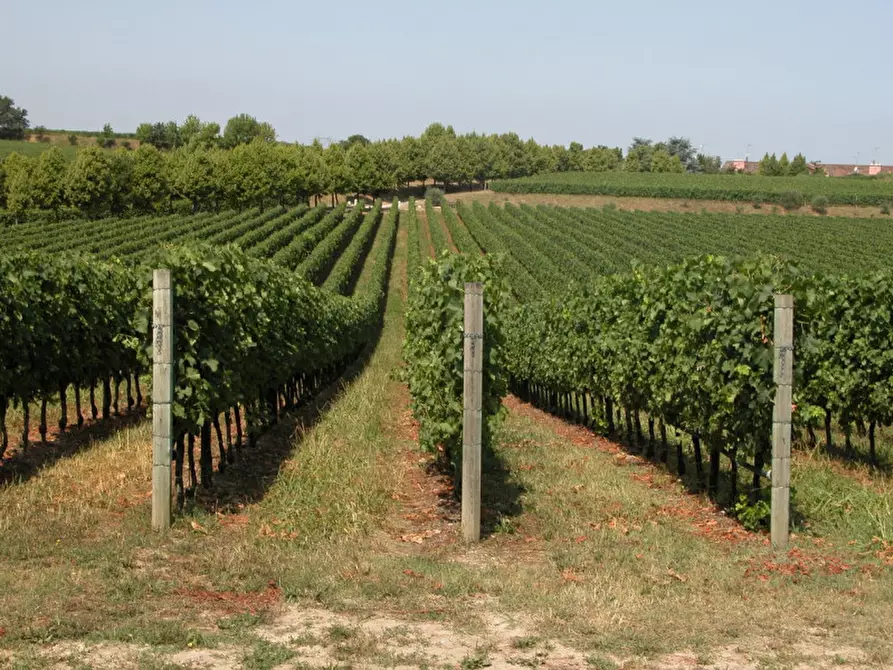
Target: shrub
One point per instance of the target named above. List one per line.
(885, 208)
(753, 517)
(434, 344)
(820, 204)
(40, 132)
(435, 195)
(73, 140)
(757, 204)
(791, 200)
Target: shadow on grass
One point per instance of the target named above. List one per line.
(257, 468)
(858, 456)
(22, 464)
(500, 492)
(677, 451)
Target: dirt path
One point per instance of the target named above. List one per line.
(300, 638)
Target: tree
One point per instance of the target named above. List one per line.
(88, 182)
(121, 191)
(784, 165)
(682, 147)
(20, 193)
(798, 166)
(638, 156)
(106, 139)
(255, 171)
(316, 169)
(13, 120)
(336, 171)
(294, 176)
(243, 129)
(709, 164)
(49, 179)
(266, 132)
(602, 159)
(194, 133)
(360, 169)
(662, 161)
(190, 129)
(191, 175)
(409, 160)
(384, 155)
(161, 135)
(511, 156)
(354, 139)
(149, 179)
(769, 166)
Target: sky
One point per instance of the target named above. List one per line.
(784, 75)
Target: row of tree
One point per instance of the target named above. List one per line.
(770, 166)
(676, 154)
(261, 172)
(197, 134)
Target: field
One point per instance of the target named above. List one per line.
(26, 148)
(738, 188)
(333, 541)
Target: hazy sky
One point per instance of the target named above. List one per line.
(795, 75)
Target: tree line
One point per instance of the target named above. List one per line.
(197, 166)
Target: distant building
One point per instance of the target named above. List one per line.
(830, 169)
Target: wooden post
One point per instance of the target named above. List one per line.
(162, 397)
(472, 415)
(781, 421)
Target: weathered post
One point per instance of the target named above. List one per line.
(162, 396)
(781, 420)
(472, 416)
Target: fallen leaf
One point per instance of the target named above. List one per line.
(196, 526)
(676, 575)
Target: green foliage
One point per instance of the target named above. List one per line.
(434, 344)
(688, 343)
(88, 181)
(754, 516)
(347, 267)
(266, 656)
(244, 326)
(798, 166)
(435, 196)
(661, 161)
(244, 129)
(320, 261)
(73, 140)
(792, 200)
(63, 320)
(13, 120)
(731, 187)
(160, 135)
(769, 166)
(106, 139)
(885, 208)
(820, 204)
